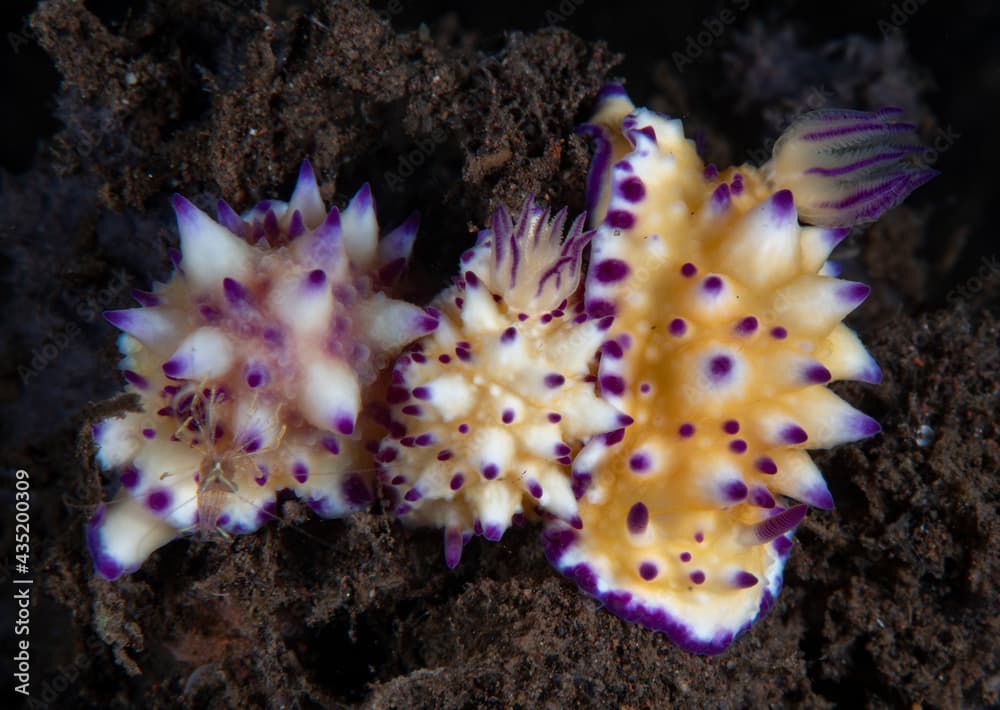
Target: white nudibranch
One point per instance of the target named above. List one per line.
(252, 364)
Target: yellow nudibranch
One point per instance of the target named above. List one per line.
(726, 330)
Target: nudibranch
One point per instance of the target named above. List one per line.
(725, 329)
(252, 365)
(487, 411)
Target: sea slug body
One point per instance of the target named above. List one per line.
(488, 410)
(252, 366)
(734, 329)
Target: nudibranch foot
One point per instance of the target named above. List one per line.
(732, 322)
(252, 365)
(487, 411)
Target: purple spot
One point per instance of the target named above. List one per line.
(747, 326)
(678, 327)
(422, 393)
(698, 577)
(580, 483)
(493, 532)
(686, 430)
(535, 489)
(648, 571)
(605, 323)
(731, 426)
(444, 455)
(853, 293)
(632, 189)
(490, 471)
(738, 446)
(599, 308)
(782, 545)
(614, 437)
(456, 481)
(720, 198)
(387, 455)
(412, 410)
(782, 205)
(300, 472)
(158, 500)
(613, 384)
(129, 476)
(136, 379)
(862, 425)
(685, 557)
(688, 270)
(611, 270)
(403, 509)
(712, 285)
(645, 388)
(735, 491)
(612, 349)
(794, 434)
(817, 374)
(554, 418)
(463, 428)
(720, 366)
(149, 433)
(508, 416)
(699, 536)
(344, 424)
(173, 368)
(779, 333)
(424, 440)
(316, 278)
(554, 380)
(647, 131)
(761, 497)
(638, 518)
(639, 462)
(463, 354)
(765, 464)
(744, 580)
(562, 449)
(710, 172)
(819, 497)
(235, 292)
(419, 358)
(413, 495)
(737, 184)
(508, 335)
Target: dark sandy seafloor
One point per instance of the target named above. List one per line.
(890, 600)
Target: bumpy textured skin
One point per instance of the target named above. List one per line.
(252, 365)
(730, 329)
(487, 411)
